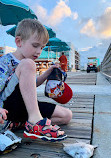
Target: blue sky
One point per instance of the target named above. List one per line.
(84, 23)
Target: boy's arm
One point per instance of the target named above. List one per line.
(3, 115)
(44, 76)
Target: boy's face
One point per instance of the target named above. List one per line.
(32, 47)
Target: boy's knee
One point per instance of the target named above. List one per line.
(68, 116)
(25, 65)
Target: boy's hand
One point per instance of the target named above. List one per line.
(3, 115)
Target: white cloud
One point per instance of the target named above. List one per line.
(41, 14)
(89, 28)
(99, 44)
(58, 14)
(74, 15)
(90, 47)
(99, 28)
(85, 49)
(104, 23)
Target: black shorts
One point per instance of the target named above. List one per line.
(17, 110)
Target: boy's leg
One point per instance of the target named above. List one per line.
(26, 73)
(61, 115)
(58, 114)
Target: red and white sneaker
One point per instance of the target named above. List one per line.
(38, 131)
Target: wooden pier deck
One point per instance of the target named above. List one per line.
(82, 79)
(79, 129)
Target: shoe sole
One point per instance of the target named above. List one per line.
(45, 138)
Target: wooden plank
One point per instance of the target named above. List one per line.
(79, 102)
(82, 122)
(81, 82)
(81, 99)
(87, 116)
(79, 133)
(87, 79)
(81, 110)
(85, 96)
(78, 105)
(77, 125)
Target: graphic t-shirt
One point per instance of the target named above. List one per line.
(8, 64)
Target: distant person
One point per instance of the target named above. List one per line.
(63, 62)
(18, 82)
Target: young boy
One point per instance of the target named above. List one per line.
(18, 82)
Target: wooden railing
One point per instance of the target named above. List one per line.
(106, 64)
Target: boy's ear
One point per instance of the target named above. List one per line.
(18, 41)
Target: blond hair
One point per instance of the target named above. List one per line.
(28, 27)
